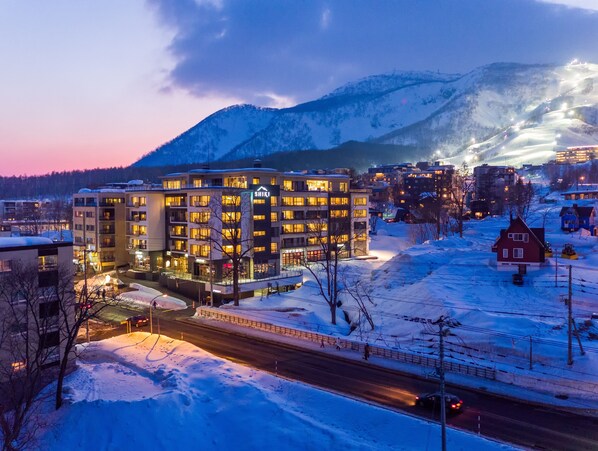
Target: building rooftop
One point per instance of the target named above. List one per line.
(29, 241)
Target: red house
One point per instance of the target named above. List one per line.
(520, 246)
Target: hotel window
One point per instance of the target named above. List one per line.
(274, 201)
(317, 201)
(360, 213)
(317, 185)
(287, 185)
(360, 201)
(259, 217)
(200, 250)
(235, 182)
(200, 217)
(5, 266)
(200, 234)
(317, 227)
(78, 214)
(518, 252)
(175, 201)
(231, 216)
(339, 213)
(259, 201)
(231, 200)
(344, 187)
(339, 201)
(229, 250)
(47, 262)
(89, 214)
(256, 180)
(293, 228)
(273, 216)
(273, 248)
(361, 237)
(200, 201)
(198, 183)
(259, 233)
(288, 215)
(293, 201)
(259, 249)
(231, 234)
(171, 184)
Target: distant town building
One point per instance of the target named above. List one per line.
(578, 217)
(33, 217)
(492, 185)
(574, 155)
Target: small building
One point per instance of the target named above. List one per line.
(520, 246)
(575, 217)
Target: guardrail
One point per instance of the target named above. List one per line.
(387, 353)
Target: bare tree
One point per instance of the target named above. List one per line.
(360, 291)
(74, 308)
(520, 199)
(462, 184)
(29, 340)
(230, 233)
(331, 237)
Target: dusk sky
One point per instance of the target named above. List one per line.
(95, 84)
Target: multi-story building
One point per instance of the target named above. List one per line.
(492, 186)
(273, 220)
(428, 178)
(99, 228)
(574, 155)
(33, 217)
(29, 274)
(388, 173)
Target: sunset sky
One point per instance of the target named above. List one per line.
(90, 84)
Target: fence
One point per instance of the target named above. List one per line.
(392, 354)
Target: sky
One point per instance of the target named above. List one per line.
(88, 84)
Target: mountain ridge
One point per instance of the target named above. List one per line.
(503, 112)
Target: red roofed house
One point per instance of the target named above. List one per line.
(520, 246)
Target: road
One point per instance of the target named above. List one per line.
(515, 422)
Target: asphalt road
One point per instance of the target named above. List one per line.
(515, 422)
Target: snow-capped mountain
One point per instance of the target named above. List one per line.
(507, 113)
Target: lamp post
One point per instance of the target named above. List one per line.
(152, 306)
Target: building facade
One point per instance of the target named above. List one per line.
(574, 155)
(492, 186)
(30, 269)
(196, 223)
(99, 229)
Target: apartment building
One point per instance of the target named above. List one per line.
(492, 185)
(574, 155)
(99, 228)
(427, 178)
(29, 273)
(274, 220)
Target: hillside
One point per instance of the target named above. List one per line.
(502, 112)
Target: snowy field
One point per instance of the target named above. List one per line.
(412, 282)
(144, 392)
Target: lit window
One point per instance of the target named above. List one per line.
(273, 216)
(259, 249)
(273, 247)
(259, 233)
(259, 217)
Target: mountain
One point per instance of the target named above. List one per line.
(503, 112)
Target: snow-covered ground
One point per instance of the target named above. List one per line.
(147, 392)
(139, 295)
(457, 277)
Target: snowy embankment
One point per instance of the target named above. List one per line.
(140, 295)
(149, 392)
(497, 324)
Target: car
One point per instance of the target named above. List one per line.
(432, 401)
(138, 321)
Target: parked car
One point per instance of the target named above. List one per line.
(138, 321)
(432, 401)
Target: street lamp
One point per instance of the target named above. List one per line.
(152, 306)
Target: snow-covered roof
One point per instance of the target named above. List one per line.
(27, 241)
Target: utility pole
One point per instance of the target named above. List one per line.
(569, 321)
(442, 331)
(556, 266)
(530, 353)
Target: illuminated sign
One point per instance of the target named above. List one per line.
(261, 193)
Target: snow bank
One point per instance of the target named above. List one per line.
(142, 391)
